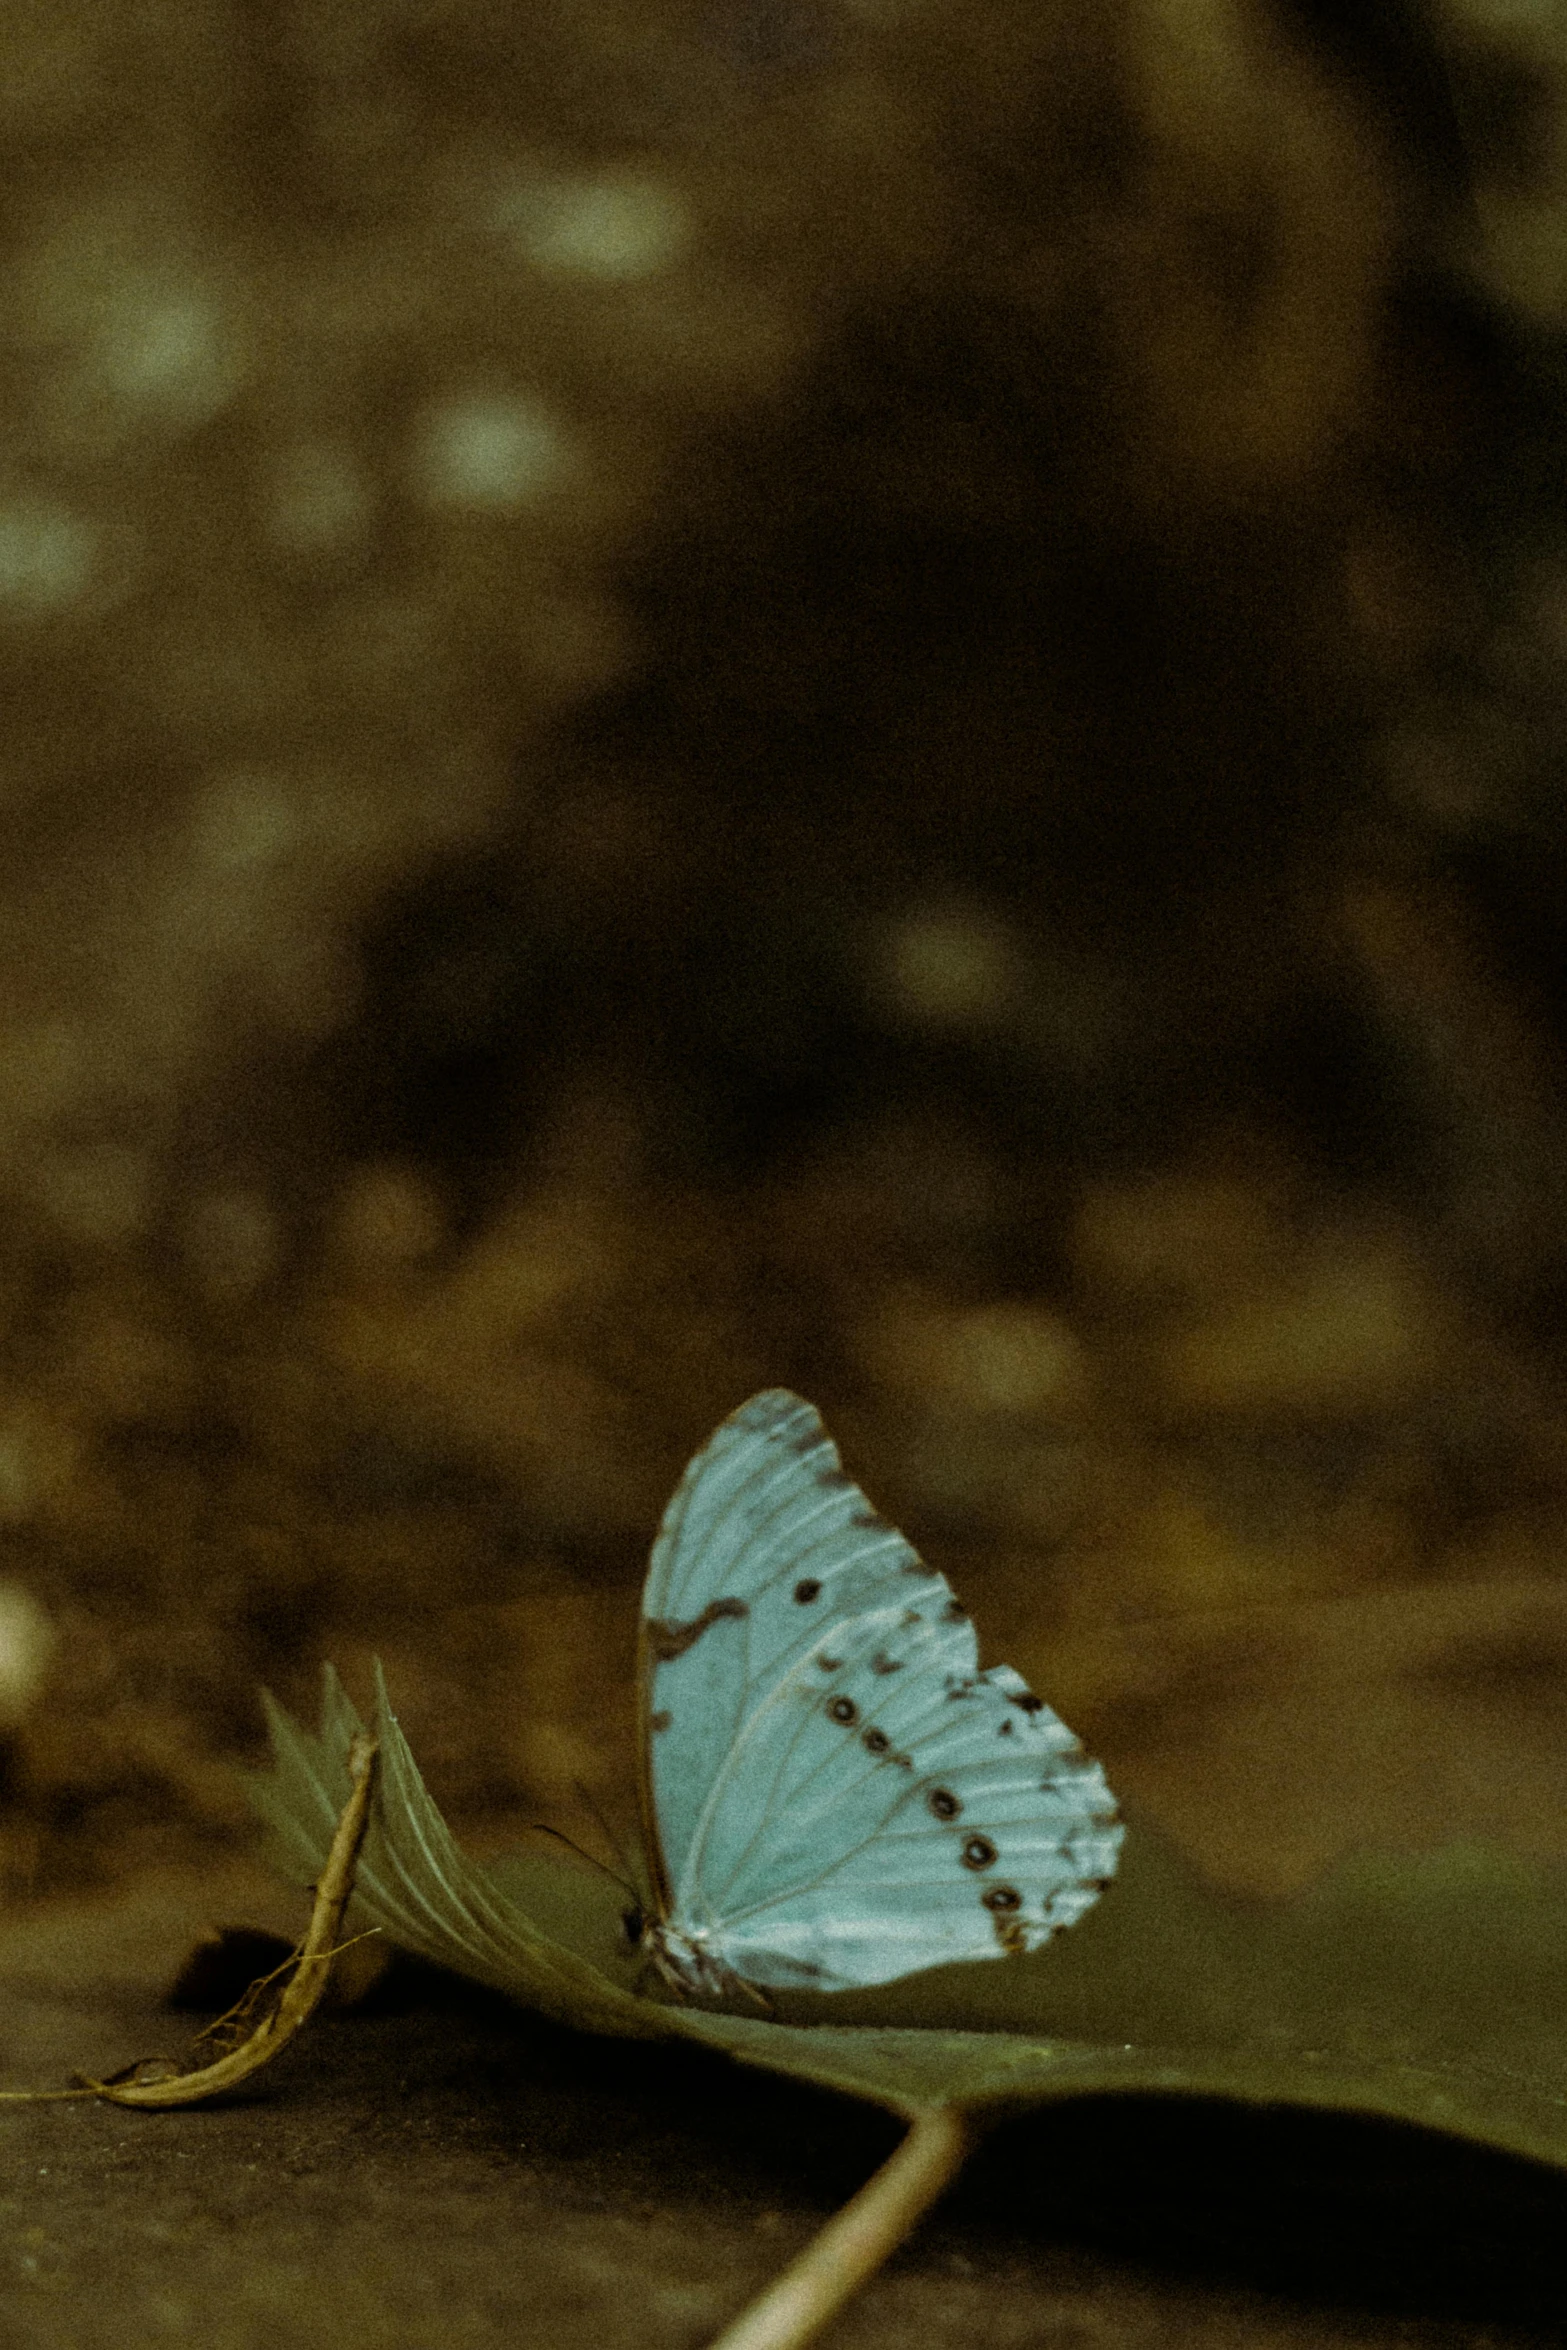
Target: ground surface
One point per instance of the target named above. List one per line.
(440, 2170)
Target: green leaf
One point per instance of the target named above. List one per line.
(1427, 1989)
(413, 1882)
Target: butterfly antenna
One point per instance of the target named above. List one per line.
(541, 1828)
(590, 1802)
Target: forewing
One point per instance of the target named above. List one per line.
(766, 1546)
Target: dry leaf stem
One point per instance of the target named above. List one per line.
(303, 1990)
(854, 2245)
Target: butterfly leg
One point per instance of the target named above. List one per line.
(722, 1983)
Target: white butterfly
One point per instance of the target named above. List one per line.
(833, 1793)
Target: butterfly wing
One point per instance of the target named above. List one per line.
(763, 1511)
(841, 1795)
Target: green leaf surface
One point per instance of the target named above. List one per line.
(1426, 1989)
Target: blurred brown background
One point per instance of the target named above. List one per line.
(857, 693)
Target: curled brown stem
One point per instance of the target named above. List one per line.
(151, 2083)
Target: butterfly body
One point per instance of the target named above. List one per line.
(686, 1963)
(834, 1793)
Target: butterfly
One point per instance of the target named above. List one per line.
(833, 1793)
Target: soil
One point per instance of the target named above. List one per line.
(438, 2168)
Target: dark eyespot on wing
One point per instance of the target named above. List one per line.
(806, 1590)
(943, 1803)
(1028, 1703)
(954, 1613)
(829, 1664)
(881, 1662)
(843, 1709)
(978, 1853)
(660, 1721)
(1005, 1729)
(668, 1639)
(1002, 1897)
(876, 1741)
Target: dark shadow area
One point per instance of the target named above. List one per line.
(1329, 2209)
